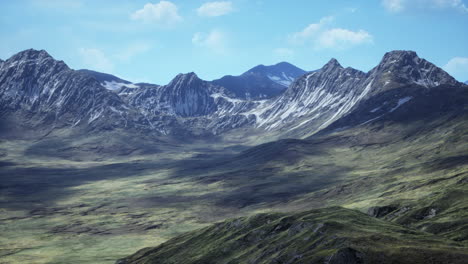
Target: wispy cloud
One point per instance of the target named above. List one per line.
(95, 59)
(393, 5)
(215, 40)
(214, 9)
(322, 35)
(396, 6)
(339, 38)
(164, 13)
(457, 66)
(133, 50)
(311, 31)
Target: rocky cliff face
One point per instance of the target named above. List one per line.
(319, 98)
(194, 104)
(45, 92)
(185, 96)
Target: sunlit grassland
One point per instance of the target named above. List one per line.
(55, 217)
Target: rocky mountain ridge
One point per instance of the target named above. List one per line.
(39, 91)
(39, 88)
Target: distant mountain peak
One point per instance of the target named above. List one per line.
(280, 66)
(284, 63)
(261, 81)
(31, 54)
(332, 64)
(401, 57)
(185, 78)
(404, 67)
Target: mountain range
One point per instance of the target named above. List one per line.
(190, 106)
(277, 165)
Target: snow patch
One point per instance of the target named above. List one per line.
(229, 99)
(283, 80)
(113, 85)
(375, 109)
(401, 102)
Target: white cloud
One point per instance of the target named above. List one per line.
(96, 59)
(213, 9)
(322, 36)
(164, 13)
(310, 31)
(215, 40)
(457, 67)
(284, 52)
(339, 38)
(396, 6)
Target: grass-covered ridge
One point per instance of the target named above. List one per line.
(330, 235)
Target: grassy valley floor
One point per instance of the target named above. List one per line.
(57, 210)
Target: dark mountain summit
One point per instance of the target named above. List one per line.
(261, 81)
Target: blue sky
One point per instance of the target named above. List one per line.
(152, 41)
